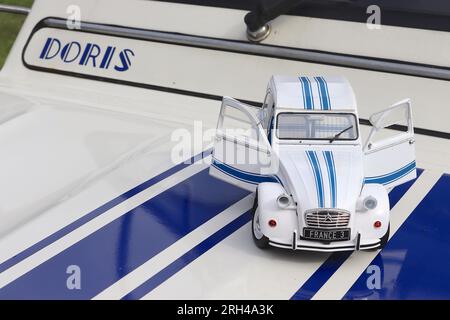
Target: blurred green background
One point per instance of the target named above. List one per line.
(9, 27)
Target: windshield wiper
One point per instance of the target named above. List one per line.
(337, 135)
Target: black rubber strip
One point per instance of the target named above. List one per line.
(42, 24)
(358, 241)
(375, 64)
(430, 15)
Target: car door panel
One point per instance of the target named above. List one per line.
(242, 154)
(390, 160)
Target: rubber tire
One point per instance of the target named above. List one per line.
(384, 240)
(262, 243)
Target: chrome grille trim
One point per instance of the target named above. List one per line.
(327, 218)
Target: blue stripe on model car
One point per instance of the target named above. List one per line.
(315, 166)
(244, 176)
(329, 160)
(302, 85)
(334, 181)
(415, 263)
(330, 183)
(99, 211)
(321, 96)
(308, 101)
(319, 170)
(409, 166)
(396, 194)
(188, 257)
(327, 93)
(121, 246)
(311, 96)
(333, 263)
(323, 93)
(316, 177)
(393, 176)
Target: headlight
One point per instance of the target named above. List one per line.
(283, 201)
(370, 203)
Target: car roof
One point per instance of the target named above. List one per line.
(313, 93)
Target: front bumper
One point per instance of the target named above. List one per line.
(351, 245)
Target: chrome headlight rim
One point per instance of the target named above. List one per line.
(283, 201)
(370, 203)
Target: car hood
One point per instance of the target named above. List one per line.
(322, 178)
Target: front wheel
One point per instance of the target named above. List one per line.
(259, 238)
(385, 238)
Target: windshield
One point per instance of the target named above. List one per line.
(317, 126)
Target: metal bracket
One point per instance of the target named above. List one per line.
(258, 35)
(294, 240)
(358, 241)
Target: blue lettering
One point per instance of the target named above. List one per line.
(107, 57)
(125, 60)
(49, 45)
(85, 54)
(45, 49)
(66, 52)
(90, 53)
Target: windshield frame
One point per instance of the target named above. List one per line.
(317, 113)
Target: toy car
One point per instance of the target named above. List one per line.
(318, 186)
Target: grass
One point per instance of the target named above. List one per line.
(9, 27)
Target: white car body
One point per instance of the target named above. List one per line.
(340, 186)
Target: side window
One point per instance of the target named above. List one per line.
(239, 138)
(236, 123)
(267, 111)
(399, 116)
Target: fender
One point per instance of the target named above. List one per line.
(268, 209)
(365, 219)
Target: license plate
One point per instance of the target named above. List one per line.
(326, 235)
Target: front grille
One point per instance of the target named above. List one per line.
(327, 218)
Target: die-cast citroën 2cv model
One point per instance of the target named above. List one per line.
(319, 187)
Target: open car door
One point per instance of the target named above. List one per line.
(389, 156)
(242, 154)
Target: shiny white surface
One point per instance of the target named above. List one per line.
(163, 259)
(77, 235)
(243, 76)
(345, 276)
(235, 267)
(349, 175)
(219, 275)
(52, 151)
(288, 94)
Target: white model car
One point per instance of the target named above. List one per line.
(319, 187)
